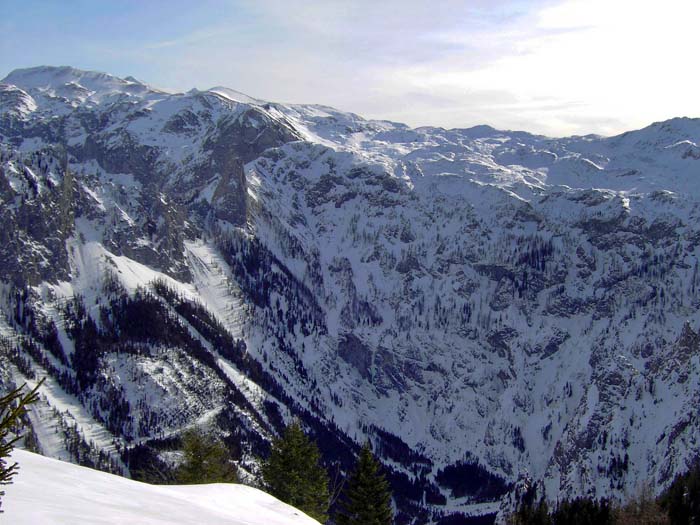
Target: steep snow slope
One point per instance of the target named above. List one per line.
(478, 303)
(53, 492)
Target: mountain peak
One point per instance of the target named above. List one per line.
(665, 132)
(46, 75)
(235, 96)
(73, 83)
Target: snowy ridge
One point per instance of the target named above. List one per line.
(234, 96)
(74, 85)
(16, 101)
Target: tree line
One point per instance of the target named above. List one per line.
(293, 473)
(679, 504)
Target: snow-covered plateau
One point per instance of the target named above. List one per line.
(481, 305)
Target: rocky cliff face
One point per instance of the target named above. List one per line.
(479, 304)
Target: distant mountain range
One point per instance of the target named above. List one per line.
(482, 305)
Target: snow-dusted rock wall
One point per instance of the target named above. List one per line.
(480, 304)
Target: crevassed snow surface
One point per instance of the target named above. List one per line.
(51, 492)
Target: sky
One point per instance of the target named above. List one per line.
(557, 67)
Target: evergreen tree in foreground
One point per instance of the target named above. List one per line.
(12, 406)
(366, 498)
(292, 473)
(206, 460)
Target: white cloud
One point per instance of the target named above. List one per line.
(555, 67)
(602, 66)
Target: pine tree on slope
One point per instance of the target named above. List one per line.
(206, 460)
(292, 473)
(12, 406)
(366, 499)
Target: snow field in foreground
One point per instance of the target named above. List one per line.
(51, 492)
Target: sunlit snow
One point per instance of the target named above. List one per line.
(51, 492)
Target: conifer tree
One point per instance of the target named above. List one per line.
(530, 510)
(292, 473)
(644, 509)
(583, 511)
(536, 514)
(682, 499)
(206, 460)
(12, 406)
(366, 498)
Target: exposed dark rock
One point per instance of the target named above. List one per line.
(356, 353)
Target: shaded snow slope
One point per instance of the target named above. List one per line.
(51, 492)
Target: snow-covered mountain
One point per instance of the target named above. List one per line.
(480, 304)
(53, 492)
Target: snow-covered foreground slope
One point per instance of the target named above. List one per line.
(479, 304)
(51, 492)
